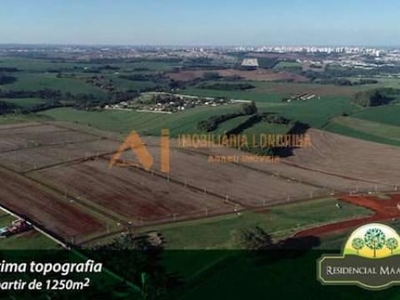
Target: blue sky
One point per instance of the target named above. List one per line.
(202, 22)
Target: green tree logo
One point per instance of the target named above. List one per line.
(392, 244)
(358, 244)
(375, 239)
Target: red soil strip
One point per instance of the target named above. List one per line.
(384, 209)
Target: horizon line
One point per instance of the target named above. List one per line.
(199, 45)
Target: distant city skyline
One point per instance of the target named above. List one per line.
(201, 23)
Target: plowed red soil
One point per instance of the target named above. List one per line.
(41, 205)
(384, 209)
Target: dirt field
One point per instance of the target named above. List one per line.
(44, 207)
(257, 75)
(349, 158)
(248, 187)
(385, 209)
(19, 137)
(134, 194)
(29, 159)
(334, 164)
(323, 183)
(197, 187)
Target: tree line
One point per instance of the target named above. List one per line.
(376, 97)
(227, 86)
(213, 122)
(57, 98)
(7, 79)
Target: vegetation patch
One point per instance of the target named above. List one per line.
(227, 86)
(376, 97)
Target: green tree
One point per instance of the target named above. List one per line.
(252, 239)
(374, 239)
(358, 244)
(392, 244)
(249, 108)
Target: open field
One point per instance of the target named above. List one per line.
(280, 221)
(24, 102)
(21, 136)
(287, 65)
(50, 81)
(145, 123)
(33, 65)
(266, 128)
(321, 183)
(329, 239)
(350, 158)
(379, 132)
(346, 131)
(388, 114)
(31, 240)
(256, 75)
(196, 187)
(33, 158)
(138, 196)
(283, 89)
(20, 119)
(125, 84)
(252, 94)
(242, 185)
(316, 112)
(37, 203)
(240, 275)
(384, 210)
(230, 124)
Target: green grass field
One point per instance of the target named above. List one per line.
(376, 124)
(145, 123)
(343, 130)
(228, 125)
(280, 221)
(316, 112)
(217, 274)
(19, 118)
(369, 127)
(383, 81)
(388, 114)
(151, 65)
(24, 102)
(124, 84)
(38, 65)
(241, 275)
(28, 241)
(253, 94)
(266, 128)
(35, 65)
(34, 82)
(31, 240)
(5, 219)
(287, 65)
